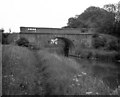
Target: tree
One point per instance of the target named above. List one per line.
(93, 17)
(110, 7)
(74, 23)
(115, 9)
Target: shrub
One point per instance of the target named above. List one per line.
(98, 42)
(106, 42)
(22, 42)
(25, 43)
(5, 38)
(113, 45)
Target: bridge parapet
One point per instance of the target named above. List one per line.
(53, 30)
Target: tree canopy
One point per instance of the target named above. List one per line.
(104, 20)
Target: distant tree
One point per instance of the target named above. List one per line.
(110, 7)
(93, 17)
(75, 23)
(115, 9)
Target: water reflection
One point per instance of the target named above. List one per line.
(109, 72)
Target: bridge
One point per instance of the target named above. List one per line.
(43, 36)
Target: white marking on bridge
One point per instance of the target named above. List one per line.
(54, 41)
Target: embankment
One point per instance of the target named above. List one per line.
(42, 73)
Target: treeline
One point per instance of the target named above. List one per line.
(104, 20)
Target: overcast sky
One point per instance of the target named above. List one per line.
(43, 13)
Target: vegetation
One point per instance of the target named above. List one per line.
(32, 70)
(96, 54)
(42, 73)
(106, 42)
(18, 71)
(105, 20)
(5, 38)
(25, 43)
(22, 42)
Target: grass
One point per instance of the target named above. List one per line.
(100, 55)
(43, 73)
(19, 72)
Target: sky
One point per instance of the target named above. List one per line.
(43, 13)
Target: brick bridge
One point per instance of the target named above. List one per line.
(43, 36)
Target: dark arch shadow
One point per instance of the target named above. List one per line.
(69, 45)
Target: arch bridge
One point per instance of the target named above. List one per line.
(73, 38)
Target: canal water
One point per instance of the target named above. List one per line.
(109, 72)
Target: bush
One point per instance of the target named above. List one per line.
(5, 38)
(25, 43)
(113, 45)
(98, 42)
(106, 42)
(22, 42)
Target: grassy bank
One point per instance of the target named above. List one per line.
(42, 73)
(19, 72)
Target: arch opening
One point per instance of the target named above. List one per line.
(68, 44)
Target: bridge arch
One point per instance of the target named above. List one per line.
(68, 44)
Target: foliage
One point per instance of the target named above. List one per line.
(93, 17)
(113, 45)
(5, 38)
(106, 42)
(74, 23)
(110, 7)
(23, 42)
(115, 9)
(98, 42)
(98, 54)
(104, 20)
(116, 29)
